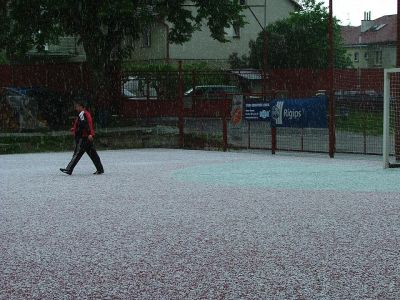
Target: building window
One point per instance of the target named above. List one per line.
(146, 38)
(366, 56)
(356, 57)
(233, 31)
(236, 31)
(378, 58)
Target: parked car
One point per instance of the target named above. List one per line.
(136, 88)
(208, 100)
(208, 92)
(212, 91)
(359, 99)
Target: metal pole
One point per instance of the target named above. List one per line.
(167, 43)
(331, 85)
(386, 119)
(265, 62)
(180, 106)
(398, 35)
(273, 140)
(397, 100)
(248, 136)
(225, 123)
(265, 14)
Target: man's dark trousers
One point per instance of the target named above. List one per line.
(83, 145)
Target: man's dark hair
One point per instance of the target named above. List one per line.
(80, 102)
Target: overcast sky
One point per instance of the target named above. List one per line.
(351, 12)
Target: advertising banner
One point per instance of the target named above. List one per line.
(237, 109)
(257, 110)
(300, 113)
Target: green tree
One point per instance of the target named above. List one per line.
(3, 58)
(107, 29)
(237, 62)
(300, 41)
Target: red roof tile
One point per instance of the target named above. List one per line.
(388, 33)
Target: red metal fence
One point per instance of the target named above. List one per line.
(198, 103)
(288, 83)
(72, 77)
(58, 77)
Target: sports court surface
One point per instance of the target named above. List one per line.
(175, 224)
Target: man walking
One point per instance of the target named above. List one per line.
(83, 131)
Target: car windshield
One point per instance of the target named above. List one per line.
(212, 89)
(232, 89)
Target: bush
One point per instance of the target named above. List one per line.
(3, 59)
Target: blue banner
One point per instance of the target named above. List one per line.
(257, 111)
(300, 113)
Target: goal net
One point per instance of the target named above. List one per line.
(391, 119)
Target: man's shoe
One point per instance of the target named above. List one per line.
(98, 172)
(65, 171)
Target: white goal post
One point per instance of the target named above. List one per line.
(391, 107)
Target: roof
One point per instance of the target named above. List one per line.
(296, 4)
(384, 30)
(248, 74)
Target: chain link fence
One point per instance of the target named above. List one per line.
(197, 108)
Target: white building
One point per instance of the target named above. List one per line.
(154, 45)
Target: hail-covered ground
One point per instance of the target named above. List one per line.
(174, 224)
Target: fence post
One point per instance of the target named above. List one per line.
(332, 132)
(397, 100)
(12, 75)
(332, 121)
(365, 123)
(273, 140)
(193, 99)
(265, 62)
(248, 136)
(225, 123)
(181, 122)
